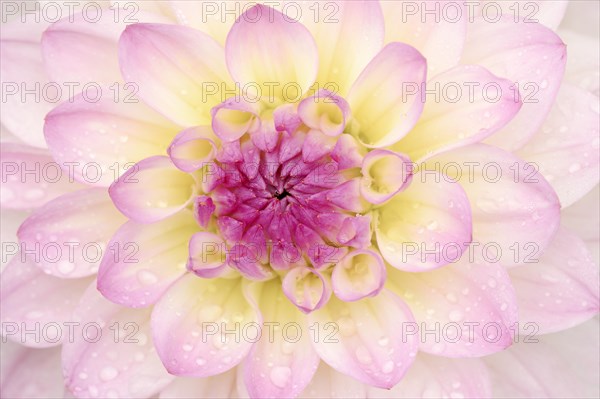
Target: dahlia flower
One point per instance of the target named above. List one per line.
(303, 199)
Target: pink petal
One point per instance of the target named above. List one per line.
(31, 177)
(144, 260)
(386, 99)
(22, 68)
(583, 218)
(152, 190)
(468, 104)
(566, 147)
(369, 346)
(73, 232)
(561, 365)
(355, 231)
(359, 274)
(78, 50)
(193, 148)
(173, 73)
(439, 35)
(548, 13)
(204, 208)
(263, 46)
(316, 146)
(98, 141)
(348, 153)
(11, 220)
(426, 226)
(515, 211)
(583, 61)
(282, 364)
(36, 302)
(30, 373)
(469, 308)
(328, 383)
(206, 16)
(112, 354)
(526, 53)
(348, 35)
(287, 120)
(385, 173)
(561, 289)
(192, 326)
(220, 386)
(84, 49)
(439, 377)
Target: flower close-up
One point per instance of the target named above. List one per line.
(300, 199)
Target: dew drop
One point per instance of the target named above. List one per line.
(346, 326)
(280, 376)
(65, 268)
(146, 277)
(455, 315)
(388, 367)
(210, 313)
(574, 168)
(432, 225)
(363, 356)
(200, 361)
(108, 373)
(451, 297)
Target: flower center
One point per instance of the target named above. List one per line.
(282, 195)
(295, 203)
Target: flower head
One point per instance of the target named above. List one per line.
(297, 193)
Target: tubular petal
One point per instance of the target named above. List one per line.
(385, 173)
(359, 274)
(306, 288)
(193, 148)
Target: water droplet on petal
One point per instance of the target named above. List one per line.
(388, 367)
(280, 376)
(363, 356)
(455, 315)
(108, 373)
